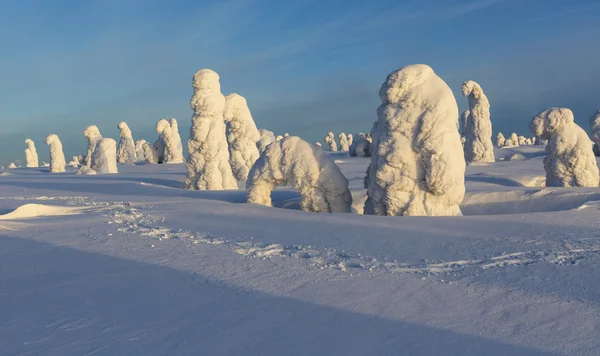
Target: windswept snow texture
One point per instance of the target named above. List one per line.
(595, 126)
(92, 134)
(57, 156)
(307, 168)
(169, 135)
(208, 165)
(31, 156)
(104, 159)
(242, 136)
(478, 145)
(266, 137)
(343, 142)
(150, 155)
(570, 160)
(417, 166)
(330, 141)
(139, 150)
(126, 153)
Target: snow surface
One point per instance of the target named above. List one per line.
(152, 269)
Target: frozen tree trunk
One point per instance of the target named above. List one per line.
(104, 159)
(139, 150)
(343, 142)
(31, 156)
(169, 136)
(92, 134)
(514, 139)
(595, 126)
(350, 139)
(417, 166)
(149, 153)
(208, 163)
(478, 145)
(126, 153)
(307, 168)
(570, 160)
(500, 140)
(330, 141)
(57, 157)
(242, 136)
(266, 137)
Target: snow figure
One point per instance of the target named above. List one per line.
(278, 138)
(149, 154)
(464, 121)
(242, 136)
(104, 159)
(500, 140)
(522, 140)
(514, 139)
(330, 141)
(208, 163)
(139, 150)
(595, 126)
(417, 166)
(93, 136)
(508, 142)
(31, 156)
(169, 135)
(266, 137)
(12, 165)
(126, 153)
(57, 157)
(478, 147)
(528, 142)
(159, 148)
(569, 160)
(343, 142)
(350, 139)
(318, 144)
(308, 169)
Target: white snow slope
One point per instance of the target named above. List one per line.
(131, 264)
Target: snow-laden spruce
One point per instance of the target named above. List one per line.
(343, 142)
(242, 136)
(92, 134)
(308, 169)
(171, 141)
(208, 162)
(361, 147)
(159, 148)
(126, 153)
(528, 141)
(330, 141)
(500, 140)
(139, 150)
(57, 156)
(478, 144)
(266, 137)
(350, 139)
(104, 159)
(569, 161)
(514, 139)
(149, 153)
(31, 156)
(595, 127)
(522, 140)
(417, 166)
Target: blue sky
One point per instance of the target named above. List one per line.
(305, 66)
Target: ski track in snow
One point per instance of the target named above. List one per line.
(130, 219)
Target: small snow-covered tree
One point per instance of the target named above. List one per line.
(478, 146)
(149, 153)
(528, 142)
(208, 163)
(522, 140)
(139, 150)
(126, 153)
(92, 134)
(74, 162)
(104, 159)
(500, 140)
(533, 140)
(286, 135)
(308, 169)
(31, 156)
(350, 139)
(361, 147)
(595, 126)
(242, 136)
(266, 137)
(570, 160)
(172, 146)
(318, 144)
(514, 139)
(12, 165)
(57, 156)
(464, 122)
(417, 166)
(278, 138)
(159, 148)
(330, 141)
(343, 142)
(508, 142)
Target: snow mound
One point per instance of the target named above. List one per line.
(37, 210)
(515, 157)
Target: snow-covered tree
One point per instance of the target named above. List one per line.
(31, 156)
(522, 140)
(343, 142)
(478, 146)
(569, 161)
(318, 144)
(126, 153)
(508, 142)
(464, 122)
(528, 142)
(278, 138)
(104, 159)
(266, 137)
(57, 157)
(12, 165)
(361, 147)
(286, 135)
(417, 166)
(242, 136)
(74, 162)
(92, 134)
(139, 150)
(500, 140)
(208, 163)
(514, 139)
(330, 141)
(308, 169)
(595, 126)
(149, 153)
(533, 140)
(350, 139)
(160, 148)
(172, 146)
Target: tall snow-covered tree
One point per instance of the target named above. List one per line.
(57, 156)
(242, 136)
(343, 142)
(330, 141)
(478, 144)
(126, 152)
(169, 136)
(92, 134)
(31, 156)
